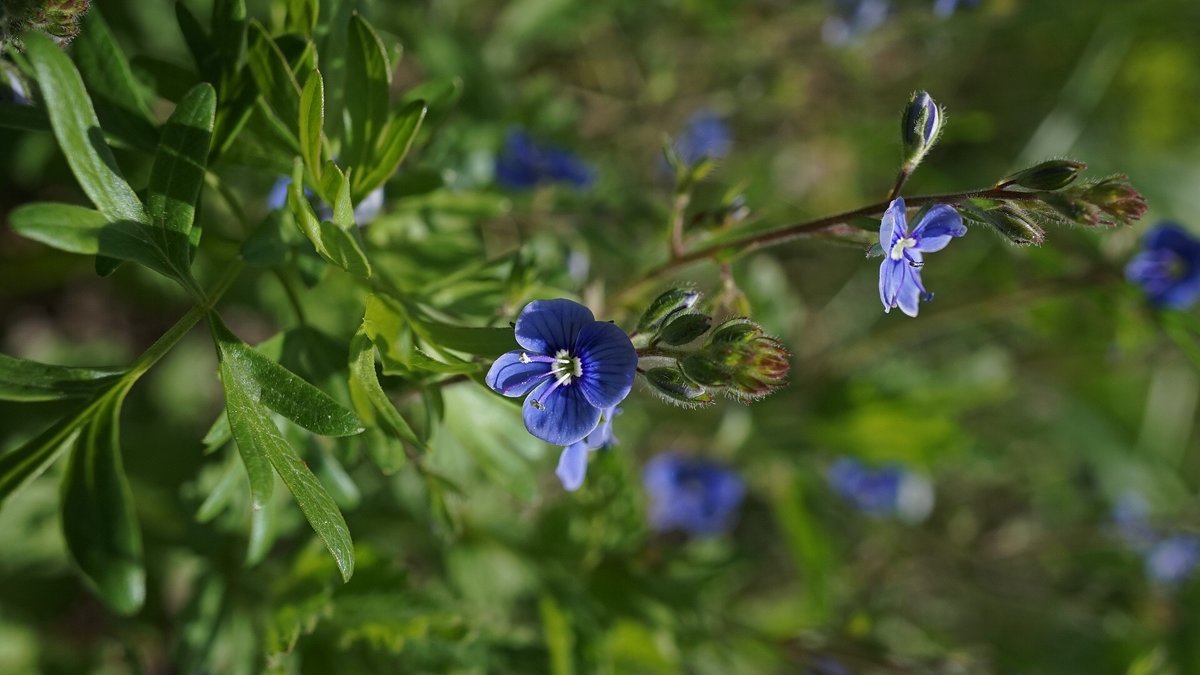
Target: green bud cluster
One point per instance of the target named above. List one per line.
(57, 18)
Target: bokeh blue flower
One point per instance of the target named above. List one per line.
(524, 164)
(573, 462)
(692, 495)
(900, 273)
(705, 135)
(1168, 266)
(570, 367)
(1172, 560)
(889, 491)
(365, 212)
(945, 8)
(851, 19)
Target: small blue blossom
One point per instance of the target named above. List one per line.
(525, 164)
(704, 136)
(900, 274)
(571, 366)
(1168, 266)
(692, 495)
(572, 463)
(1172, 560)
(277, 197)
(853, 18)
(945, 8)
(887, 491)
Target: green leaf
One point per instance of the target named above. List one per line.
(302, 16)
(256, 435)
(275, 80)
(393, 145)
(22, 380)
(19, 466)
(332, 243)
(98, 518)
(479, 341)
(221, 494)
(312, 119)
(198, 42)
(229, 31)
(178, 173)
(343, 206)
(66, 227)
(118, 97)
(370, 401)
(281, 390)
(74, 122)
(368, 83)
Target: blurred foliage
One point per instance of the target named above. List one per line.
(1035, 391)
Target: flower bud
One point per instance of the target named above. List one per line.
(1015, 225)
(1050, 175)
(920, 127)
(764, 370)
(1074, 209)
(675, 387)
(57, 18)
(734, 331)
(739, 359)
(665, 306)
(1118, 198)
(704, 370)
(684, 328)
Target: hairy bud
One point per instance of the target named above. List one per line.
(1054, 174)
(57, 18)
(684, 328)
(920, 127)
(1118, 198)
(666, 306)
(676, 387)
(1015, 225)
(740, 360)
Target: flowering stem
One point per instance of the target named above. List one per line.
(901, 179)
(757, 240)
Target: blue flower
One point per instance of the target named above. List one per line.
(704, 135)
(691, 495)
(1168, 267)
(945, 8)
(572, 463)
(900, 274)
(16, 91)
(852, 18)
(887, 491)
(524, 164)
(1172, 560)
(277, 197)
(572, 367)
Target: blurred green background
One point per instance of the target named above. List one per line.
(1034, 392)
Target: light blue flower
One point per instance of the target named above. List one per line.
(853, 18)
(573, 462)
(692, 495)
(570, 366)
(1172, 560)
(945, 8)
(705, 135)
(1168, 266)
(890, 491)
(900, 274)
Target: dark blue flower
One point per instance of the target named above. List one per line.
(1168, 267)
(571, 366)
(900, 274)
(852, 18)
(572, 463)
(887, 491)
(945, 8)
(1172, 560)
(691, 495)
(705, 135)
(524, 164)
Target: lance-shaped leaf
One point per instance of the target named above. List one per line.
(391, 148)
(229, 31)
(256, 435)
(371, 402)
(22, 380)
(178, 172)
(368, 82)
(98, 518)
(66, 227)
(118, 97)
(28, 461)
(312, 120)
(281, 390)
(275, 79)
(333, 243)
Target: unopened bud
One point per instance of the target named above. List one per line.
(1054, 174)
(684, 328)
(920, 127)
(57, 18)
(765, 370)
(1015, 225)
(1074, 209)
(1118, 198)
(665, 306)
(675, 387)
(734, 331)
(704, 370)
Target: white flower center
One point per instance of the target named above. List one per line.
(901, 244)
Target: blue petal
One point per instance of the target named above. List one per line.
(572, 466)
(609, 363)
(941, 224)
(910, 291)
(1173, 237)
(546, 326)
(893, 225)
(277, 197)
(509, 376)
(891, 276)
(566, 417)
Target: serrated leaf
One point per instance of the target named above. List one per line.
(22, 380)
(332, 243)
(368, 83)
(390, 149)
(281, 390)
(77, 129)
(312, 120)
(256, 435)
(98, 518)
(118, 97)
(178, 172)
(369, 398)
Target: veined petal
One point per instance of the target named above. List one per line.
(572, 466)
(512, 377)
(565, 416)
(891, 276)
(546, 326)
(893, 224)
(609, 363)
(909, 294)
(941, 224)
